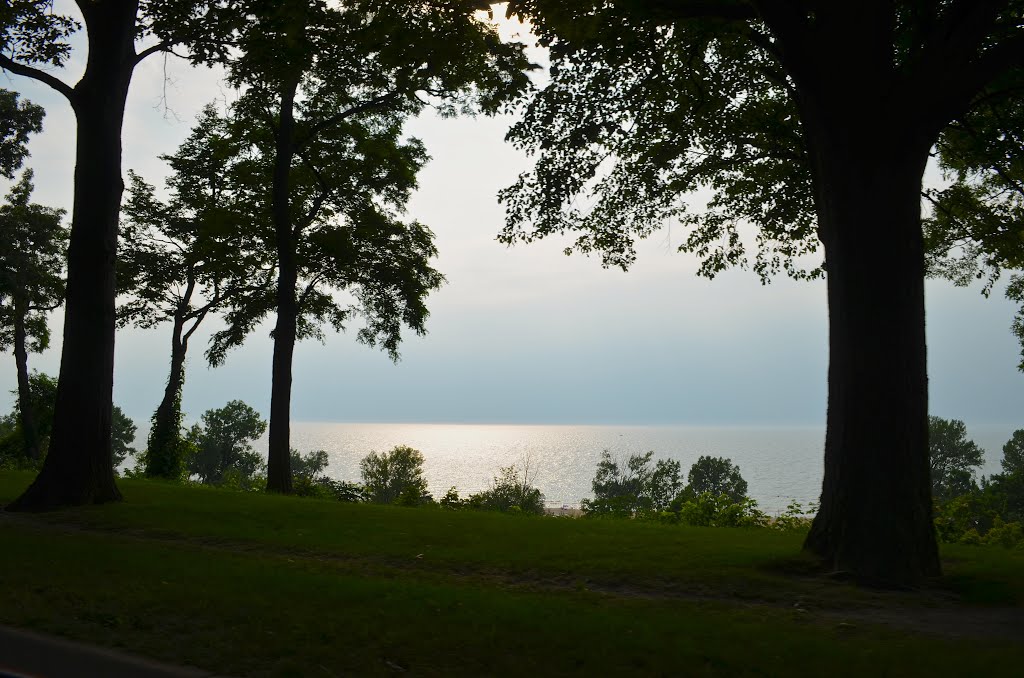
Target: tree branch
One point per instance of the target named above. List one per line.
(59, 85)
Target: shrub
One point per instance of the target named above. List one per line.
(395, 473)
(510, 492)
(710, 510)
(343, 490)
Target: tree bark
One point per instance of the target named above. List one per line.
(875, 519)
(29, 432)
(78, 467)
(163, 456)
(279, 474)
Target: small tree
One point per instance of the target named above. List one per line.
(717, 476)
(633, 488)
(32, 245)
(393, 474)
(953, 458)
(222, 443)
(1013, 453)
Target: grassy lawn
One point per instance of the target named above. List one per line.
(265, 585)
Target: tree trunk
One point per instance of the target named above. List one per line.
(875, 520)
(279, 474)
(78, 467)
(163, 453)
(29, 432)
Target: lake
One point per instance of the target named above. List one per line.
(780, 464)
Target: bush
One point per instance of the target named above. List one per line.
(710, 510)
(509, 492)
(393, 474)
(343, 490)
(633, 488)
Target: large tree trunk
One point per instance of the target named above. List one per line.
(29, 432)
(78, 467)
(279, 473)
(163, 453)
(875, 520)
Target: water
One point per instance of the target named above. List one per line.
(780, 464)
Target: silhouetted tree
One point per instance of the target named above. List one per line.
(327, 89)
(32, 246)
(812, 122)
(34, 40)
(180, 261)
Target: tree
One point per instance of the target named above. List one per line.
(18, 119)
(122, 436)
(222, 444)
(718, 476)
(42, 394)
(634, 487)
(31, 263)
(1013, 453)
(812, 122)
(33, 40)
(393, 474)
(327, 89)
(953, 458)
(183, 260)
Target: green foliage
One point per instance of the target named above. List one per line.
(222, 450)
(634, 487)
(43, 393)
(18, 119)
(32, 252)
(974, 229)
(1013, 453)
(451, 499)
(639, 115)
(716, 476)
(122, 436)
(393, 475)
(343, 490)
(795, 517)
(327, 88)
(953, 458)
(711, 510)
(511, 491)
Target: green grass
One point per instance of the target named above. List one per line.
(265, 585)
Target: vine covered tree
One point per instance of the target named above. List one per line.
(32, 248)
(328, 87)
(182, 260)
(812, 123)
(120, 34)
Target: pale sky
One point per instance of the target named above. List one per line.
(528, 335)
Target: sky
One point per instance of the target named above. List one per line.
(526, 334)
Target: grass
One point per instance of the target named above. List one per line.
(265, 585)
